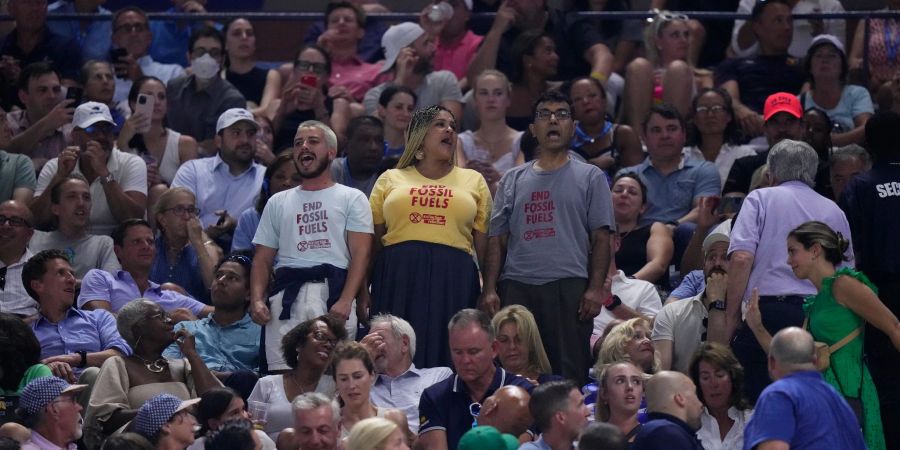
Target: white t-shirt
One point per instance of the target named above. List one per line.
(308, 227)
(638, 295)
(270, 389)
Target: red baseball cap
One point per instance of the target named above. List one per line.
(782, 102)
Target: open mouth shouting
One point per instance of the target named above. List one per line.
(307, 159)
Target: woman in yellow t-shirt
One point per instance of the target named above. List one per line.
(431, 219)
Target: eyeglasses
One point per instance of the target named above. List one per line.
(162, 316)
(103, 128)
(560, 114)
(306, 66)
(131, 28)
(323, 338)
(709, 109)
(181, 210)
(475, 410)
(214, 52)
(17, 222)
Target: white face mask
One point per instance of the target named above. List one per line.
(205, 67)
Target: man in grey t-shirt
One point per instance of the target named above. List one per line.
(364, 152)
(550, 235)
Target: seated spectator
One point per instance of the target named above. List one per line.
(395, 108)
(369, 47)
(166, 422)
(719, 378)
(745, 42)
(666, 75)
(50, 408)
(351, 77)
(645, 249)
(409, 57)
(184, 254)
(197, 100)
(598, 140)
(507, 411)
(229, 181)
(316, 420)
(846, 163)
(118, 180)
(353, 372)
(41, 129)
(305, 97)
(228, 340)
(621, 395)
(16, 230)
(131, 32)
(399, 383)
(17, 178)
(456, 43)
(521, 350)
(818, 135)
(630, 342)
(486, 436)
(162, 148)
(601, 435)
(876, 36)
(135, 247)
(126, 383)
(377, 433)
(91, 35)
(559, 412)
(849, 106)
(70, 202)
(444, 407)
(673, 411)
(714, 131)
(71, 339)
(363, 155)
(280, 175)
(218, 408)
(682, 325)
(99, 86)
(749, 80)
(32, 41)
(494, 147)
(171, 38)
(236, 435)
(535, 63)
(20, 357)
(259, 86)
(307, 350)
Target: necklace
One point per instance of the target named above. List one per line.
(291, 377)
(154, 366)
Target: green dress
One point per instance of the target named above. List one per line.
(830, 322)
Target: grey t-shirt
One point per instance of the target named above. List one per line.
(438, 86)
(549, 216)
(340, 173)
(89, 252)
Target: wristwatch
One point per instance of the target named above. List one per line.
(109, 178)
(717, 305)
(614, 303)
(83, 355)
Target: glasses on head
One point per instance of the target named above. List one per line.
(560, 114)
(214, 52)
(306, 66)
(324, 338)
(182, 210)
(99, 128)
(240, 259)
(131, 28)
(714, 109)
(14, 221)
(474, 411)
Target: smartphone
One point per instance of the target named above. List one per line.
(116, 56)
(74, 93)
(309, 80)
(144, 105)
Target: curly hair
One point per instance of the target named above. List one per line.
(300, 334)
(613, 349)
(19, 350)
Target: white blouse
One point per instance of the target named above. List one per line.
(709, 430)
(270, 389)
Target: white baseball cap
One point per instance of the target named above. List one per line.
(827, 39)
(233, 116)
(720, 233)
(396, 38)
(87, 114)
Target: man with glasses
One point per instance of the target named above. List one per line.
(131, 32)
(70, 203)
(118, 180)
(52, 412)
(135, 247)
(15, 232)
(72, 340)
(196, 100)
(550, 236)
(226, 184)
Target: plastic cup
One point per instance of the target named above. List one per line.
(259, 411)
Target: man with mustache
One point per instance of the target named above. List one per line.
(682, 325)
(70, 202)
(51, 410)
(322, 232)
(226, 184)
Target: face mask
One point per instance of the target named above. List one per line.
(205, 67)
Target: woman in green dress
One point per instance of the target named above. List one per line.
(846, 300)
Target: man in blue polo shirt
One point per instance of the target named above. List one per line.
(673, 414)
(450, 408)
(800, 410)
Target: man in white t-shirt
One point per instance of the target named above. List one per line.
(322, 232)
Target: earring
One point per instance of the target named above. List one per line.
(420, 155)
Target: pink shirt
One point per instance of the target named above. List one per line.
(456, 57)
(38, 442)
(355, 74)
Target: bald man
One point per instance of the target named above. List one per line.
(16, 229)
(800, 410)
(507, 411)
(674, 414)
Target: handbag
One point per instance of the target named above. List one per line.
(824, 351)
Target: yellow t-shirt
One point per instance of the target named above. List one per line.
(442, 211)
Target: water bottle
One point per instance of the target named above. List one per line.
(440, 12)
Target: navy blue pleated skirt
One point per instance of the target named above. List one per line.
(426, 284)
